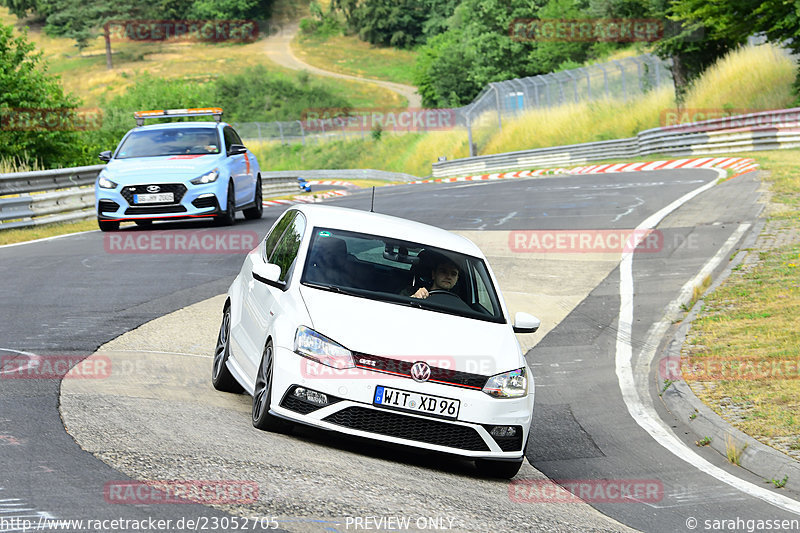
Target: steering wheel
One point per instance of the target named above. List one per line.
(443, 291)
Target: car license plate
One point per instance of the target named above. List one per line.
(153, 198)
(416, 403)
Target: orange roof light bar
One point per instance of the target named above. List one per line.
(141, 116)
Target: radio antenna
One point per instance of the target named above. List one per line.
(372, 206)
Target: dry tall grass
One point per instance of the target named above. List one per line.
(749, 78)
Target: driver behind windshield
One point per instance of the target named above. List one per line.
(445, 277)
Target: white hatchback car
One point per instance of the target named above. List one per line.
(325, 326)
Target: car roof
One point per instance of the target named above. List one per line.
(386, 226)
(171, 125)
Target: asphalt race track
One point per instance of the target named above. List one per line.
(68, 296)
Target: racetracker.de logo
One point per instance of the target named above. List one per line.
(730, 369)
(586, 490)
(54, 367)
(586, 241)
(372, 118)
(51, 119)
(180, 242)
(210, 31)
(587, 30)
(180, 492)
(724, 118)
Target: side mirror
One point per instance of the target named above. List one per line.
(236, 149)
(105, 156)
(267, 273)
(525, 323)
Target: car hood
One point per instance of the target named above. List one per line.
(153, 168)
(408, 333)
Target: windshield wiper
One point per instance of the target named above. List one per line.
(331, 288)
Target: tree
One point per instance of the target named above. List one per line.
(29, 98)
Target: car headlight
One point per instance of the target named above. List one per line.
(208, 177)
(513, 384)
(105, 183)
(320, 348)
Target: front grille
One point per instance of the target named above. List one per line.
(445, 376)
(177, 189)
(208, 201)
(106, 206)
(508, 444)
(407, 427)
(155, 210)
(299, 405)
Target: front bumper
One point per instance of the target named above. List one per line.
(189, 201)
(350, 410)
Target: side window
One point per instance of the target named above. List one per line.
(273, 238)
(235, 136)
(285, 252)
(230, 137)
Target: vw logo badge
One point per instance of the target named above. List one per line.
(420, 371)
(153, 188)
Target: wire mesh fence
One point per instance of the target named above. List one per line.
(621, 79)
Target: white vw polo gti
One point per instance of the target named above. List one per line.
(378, 327)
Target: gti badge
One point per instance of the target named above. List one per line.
(420, 371)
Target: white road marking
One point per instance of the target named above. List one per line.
(204, 356)
(48, 238)
(506, 218)
(645, 414)
(31, 358)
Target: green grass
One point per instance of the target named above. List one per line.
(350, 55)
(11, 236)
(751, 321)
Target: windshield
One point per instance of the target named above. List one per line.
(173, 141)
(391, 270)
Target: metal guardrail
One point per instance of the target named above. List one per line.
(62, 195)
(768, 130)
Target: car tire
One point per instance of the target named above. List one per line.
(257, 210)
(228, 217)
(108, 225)
(144, 223)
(497, 468)
(261, 417)
(221, 377)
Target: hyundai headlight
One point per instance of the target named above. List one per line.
(513, 384)
(105, 183)
(320, 348)
(208, 177)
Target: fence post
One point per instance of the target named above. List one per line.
(469, 135)
(622, 75)
(302, 132)
(258, 126)
(280, 129)
(497, 101)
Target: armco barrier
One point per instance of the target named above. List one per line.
(67, 194)
(62, 195)
(767, 130)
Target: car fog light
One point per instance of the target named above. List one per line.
(311, 396)
(503, 431)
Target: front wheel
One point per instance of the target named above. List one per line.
(108, 225)
(221, 377)
(498, 469)
(228, 217)
(262, 419)
(257, 210)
